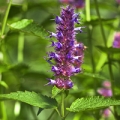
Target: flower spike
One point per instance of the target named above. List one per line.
(68, 54)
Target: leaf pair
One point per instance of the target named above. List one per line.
(82, 104)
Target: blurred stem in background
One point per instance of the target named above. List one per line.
(62, 104)
(88, 18)
(108, 55)
(2, 105)
(20, 47)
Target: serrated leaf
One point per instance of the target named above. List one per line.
(55, 91)
(31, 98)
(29, 26)
(109, 50)
(92, 103)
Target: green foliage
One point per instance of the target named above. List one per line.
(97, 76)
(29, 26)
(109, 50)
(55, 91)
(31, 98)
(92, 103)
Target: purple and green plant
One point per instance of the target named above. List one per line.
(73, 78)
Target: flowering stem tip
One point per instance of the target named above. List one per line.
(68, 54)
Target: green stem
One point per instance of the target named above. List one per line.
(57, 111)
(108, 55)
(5, 18)
(20, 47)
(90, 34)
(87, 9)
(2, 104)
(90, 41)
(62, 104)
(51, 115)
(33, 113)
(3, 111)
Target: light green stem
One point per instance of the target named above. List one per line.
(2, 104)
(62, 105)
(5, 19)
(108, 55)
(51, 115)
(20, 47)
(87, 9)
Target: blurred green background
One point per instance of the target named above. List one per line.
(22, 63)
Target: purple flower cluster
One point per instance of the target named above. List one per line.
(75, 3)
(106, 92)
(68, 55)
(116, 42)
(118, 1)
(106, 89)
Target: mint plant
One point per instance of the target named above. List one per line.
(81, 54)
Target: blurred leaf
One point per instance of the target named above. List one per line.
(3, 67)
(20, 68)
(109, 50)
(97, 22)
(29, 26)
(31, 98)
(92, 103)
(93, 75)
(2, 83)
(3, 2)
(55, 91)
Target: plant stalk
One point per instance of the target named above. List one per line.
(62, 104)
(108, 55)
(5, 19)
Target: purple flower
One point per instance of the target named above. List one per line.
(75, 3)
(106, 89)
(118, 1)
(116, 42)
(68, 55)
(106, 112)
(106, 92)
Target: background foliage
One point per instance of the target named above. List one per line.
(25, 43)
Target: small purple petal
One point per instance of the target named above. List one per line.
(76, 70)
(68, 84)
(52, 34)
(54, 69)
(58, 20)
(51, 82)
(79, 29)
(59, 35)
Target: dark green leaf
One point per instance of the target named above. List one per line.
(31, 98)
(39, 111)
(109, 50)
(29, 26)
(92, 103)
(3, 67)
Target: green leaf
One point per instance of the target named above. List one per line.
(2, 83)
(3, 67)
(29, 26)
(109, 50)
(92, 103)
(31, 98)
(55, 91)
